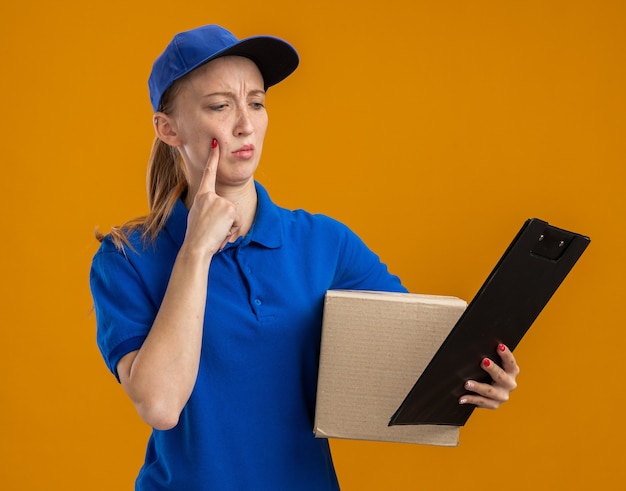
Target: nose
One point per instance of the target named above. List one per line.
(243, 125)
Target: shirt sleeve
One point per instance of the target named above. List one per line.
(124, 311)
(359, 268)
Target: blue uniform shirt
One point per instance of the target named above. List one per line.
(248, 423)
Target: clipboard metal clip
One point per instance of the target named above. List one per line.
(552, 243)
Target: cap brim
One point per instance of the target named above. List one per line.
(275, 58)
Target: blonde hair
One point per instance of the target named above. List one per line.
(166, 182)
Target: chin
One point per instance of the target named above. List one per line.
(237, 179)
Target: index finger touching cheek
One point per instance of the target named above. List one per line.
(207, 184)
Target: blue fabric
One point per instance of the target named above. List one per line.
(248, 423)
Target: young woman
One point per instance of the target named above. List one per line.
(209, 309)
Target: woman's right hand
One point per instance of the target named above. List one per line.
(212, 220)
(159, 378)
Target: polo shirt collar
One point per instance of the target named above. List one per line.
(266, 229)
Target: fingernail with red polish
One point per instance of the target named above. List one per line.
(486, 362)
(214, 143)
(501, 347)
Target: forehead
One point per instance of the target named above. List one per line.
(227, 71)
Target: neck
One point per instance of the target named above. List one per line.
(245, 198)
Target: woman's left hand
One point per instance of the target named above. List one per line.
(490, 396)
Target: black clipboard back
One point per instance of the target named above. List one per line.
(521, 284)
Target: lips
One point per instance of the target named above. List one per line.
(244, 152)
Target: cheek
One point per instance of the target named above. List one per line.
(260, 137)
(261, 128)
(201, 136)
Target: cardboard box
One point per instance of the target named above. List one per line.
(375, 345)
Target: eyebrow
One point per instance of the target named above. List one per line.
(230, 94)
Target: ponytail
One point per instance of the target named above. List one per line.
(166, 182)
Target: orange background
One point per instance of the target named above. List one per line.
(433, 128)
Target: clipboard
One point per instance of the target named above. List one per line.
(521, 284)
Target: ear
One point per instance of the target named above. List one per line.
(165, 129)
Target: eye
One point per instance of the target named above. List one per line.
(218, 107)
(257, 105)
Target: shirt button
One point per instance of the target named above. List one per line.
(257, 301)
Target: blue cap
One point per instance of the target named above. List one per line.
(188, 50)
